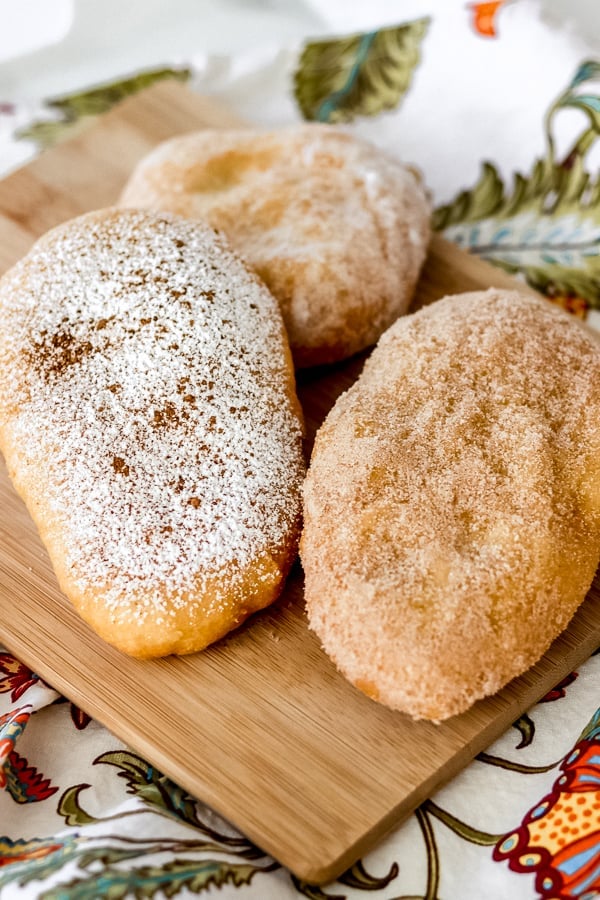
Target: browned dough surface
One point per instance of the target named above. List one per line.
(337, 229)
(148, 417)
(452, 505)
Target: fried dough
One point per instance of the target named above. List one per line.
(337, 229)
(452, 504)
(148, 417)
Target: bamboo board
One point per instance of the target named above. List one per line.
(261, 727)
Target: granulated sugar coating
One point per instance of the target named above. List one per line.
(452, 505)
(148, 417)
(336, 228)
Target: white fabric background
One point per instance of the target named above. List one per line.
(471, 99)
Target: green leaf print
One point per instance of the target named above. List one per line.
(76, 109)
(589, 104)
(433, 861)
(546, 226)
(108, 855)
(312, 891)
(99, 867)
(471, 206)
(526, 728)
(76, 816)
(511, 766)
(357, 877)
(150, 785)
(36, 859)
(111, 883)
(587, 71)
(462, 829)
(361, 75)
(162, 795)
(69, 806)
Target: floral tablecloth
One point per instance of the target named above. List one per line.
(501, 111)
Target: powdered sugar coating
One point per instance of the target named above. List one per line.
(452, 504)
(146, 384)
(337, 229)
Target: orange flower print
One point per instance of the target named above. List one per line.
(484, 17)
(36, 850)
(571, 303)
(559, 839)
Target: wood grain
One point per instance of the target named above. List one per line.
(261, 727)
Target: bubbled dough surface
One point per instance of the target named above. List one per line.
(336, 228)
(149, 419)
(452, 504)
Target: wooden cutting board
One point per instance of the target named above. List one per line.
(260, 726)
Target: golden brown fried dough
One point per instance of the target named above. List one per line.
(148, 417)
(452, 505)
(337, 229)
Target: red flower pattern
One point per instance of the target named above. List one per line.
(558, 692)
(15, 677)
(26, 783)
(80, 718)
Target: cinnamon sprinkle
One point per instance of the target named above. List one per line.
(159, 466)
